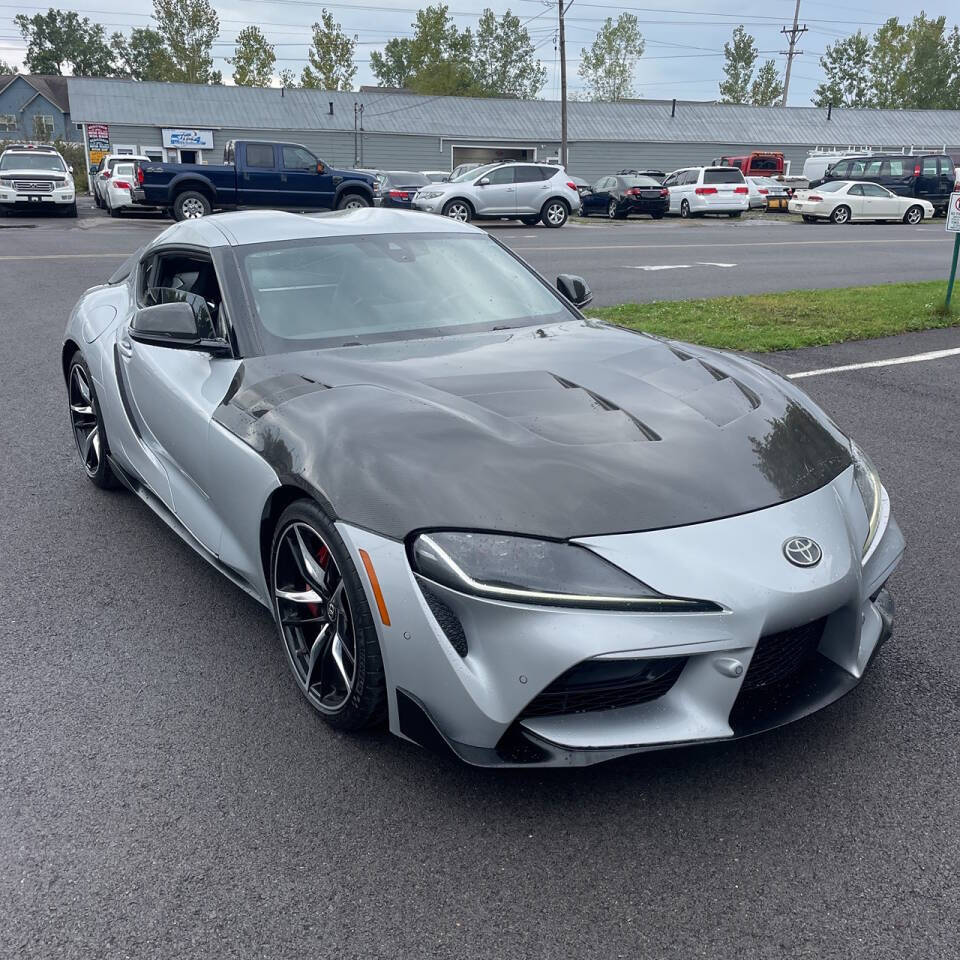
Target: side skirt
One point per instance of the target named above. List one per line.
(161, 510)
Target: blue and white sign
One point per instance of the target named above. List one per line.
(187, 138)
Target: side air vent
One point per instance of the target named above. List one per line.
(449, 622)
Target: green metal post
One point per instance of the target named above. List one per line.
(953, 268)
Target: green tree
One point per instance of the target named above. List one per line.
(142, 56)
(846, 64)
(393, 67)
(6, 68)
(288, 78)
(330, 58)
(188, 29)
(253, 59)
(607, 67)
(740, 57)
(887, 62)
(767, 89)
(932, 67)
(504, 60)
(61, 41)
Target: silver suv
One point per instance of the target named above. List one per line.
(529, 192)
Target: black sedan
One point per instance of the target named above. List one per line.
(397, 188)
(618, 196)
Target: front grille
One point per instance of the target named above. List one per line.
(33, 186)
(781, 655)
(606, 685)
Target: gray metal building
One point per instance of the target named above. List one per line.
(407, 131)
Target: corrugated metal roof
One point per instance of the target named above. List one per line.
(175, 104)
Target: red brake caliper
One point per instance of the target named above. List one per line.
(323, 558)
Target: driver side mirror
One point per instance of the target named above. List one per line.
(321, 166)
(174, 325)
(575, 289)
(483, 181)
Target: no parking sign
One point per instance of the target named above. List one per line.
(953, 226)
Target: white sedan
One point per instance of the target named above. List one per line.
(841, 201)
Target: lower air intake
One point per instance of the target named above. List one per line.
(781, 655)
(606, 685)
(449, 622)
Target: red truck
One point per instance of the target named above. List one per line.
(759, 163)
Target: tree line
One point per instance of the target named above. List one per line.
(915, 64)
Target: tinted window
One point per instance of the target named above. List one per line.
(501, 175)
(765, 163)
(532, 174)
(640, 182)
(874, 190)
(840, 169)
(329, 292)
(598, 186)
(260, 155)
(872, 168)
(731, 175)
(930, 166)
(403, 179)
(835, 187)
(295, 158)
(897, 167)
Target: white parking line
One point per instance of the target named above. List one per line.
(66, 256)
(727, 244)
(893, 361)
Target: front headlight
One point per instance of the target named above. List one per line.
(868, 483)
(430, 195)
(525, 570)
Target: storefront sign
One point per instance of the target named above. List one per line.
(189, 139)
(98, 141)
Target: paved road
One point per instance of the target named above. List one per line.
(165, 793)
(640, 260)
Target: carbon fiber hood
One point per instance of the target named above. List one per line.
(577, 429)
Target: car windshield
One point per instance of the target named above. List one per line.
(369, 289)
(31, 161)
(473, 172)
(124, 170)
(402, 179)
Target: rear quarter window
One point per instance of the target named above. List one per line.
(727, 175)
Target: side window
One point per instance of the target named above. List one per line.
(529, 174)
(894, 168)
(841, 169)
(873, 168)
(296, 158)
(856, 190)
(172, 278)
(692, 176)
(929, 168)
(598, 186)
(670, 181)
(260, 155)
(502, 175)
(874, 190)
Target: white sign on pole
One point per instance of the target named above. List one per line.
(953, 213)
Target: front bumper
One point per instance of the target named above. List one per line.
(10, 198)
(474, 705)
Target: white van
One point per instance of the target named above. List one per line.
(695, 191)
(817, 164)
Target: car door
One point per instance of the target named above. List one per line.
(300, 181)
(854, 199)
(533, 184)
(497, 196)
(258, 181)
(880, 204)
(673, 186)
(927, 184)
(172, 393)
(596, 200)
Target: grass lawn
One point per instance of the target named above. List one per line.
(794, 318)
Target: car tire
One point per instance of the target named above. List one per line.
(735, 215)
(191, 205)
(70, 212)
(656, 216)
(612, 211)
(308, 556)
(86, 422)
(914, 215)
(554, 213)
(353, 201)
(840, 215)
(530, 221)
(808, 219)
(97, 202)
(458, 210)
(684, 210)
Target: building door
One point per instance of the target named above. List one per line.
(188, 156)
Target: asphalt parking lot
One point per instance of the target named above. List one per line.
(165, 792)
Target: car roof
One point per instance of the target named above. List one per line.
(248, 227)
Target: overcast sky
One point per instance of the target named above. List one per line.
(683, 59)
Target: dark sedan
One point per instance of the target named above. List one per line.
(618, 196)
(397, 188)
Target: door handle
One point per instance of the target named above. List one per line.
(125, 347)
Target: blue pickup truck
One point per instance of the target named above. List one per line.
(254, 173)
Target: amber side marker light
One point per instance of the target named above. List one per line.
(375, 583)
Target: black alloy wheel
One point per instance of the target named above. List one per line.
(325, 621)
(87, 425)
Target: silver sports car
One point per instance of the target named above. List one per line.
(517, 534)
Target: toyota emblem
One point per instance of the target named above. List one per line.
(802, 551)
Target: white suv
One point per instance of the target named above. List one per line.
(34, 177)
(695, 191)
(530, 192)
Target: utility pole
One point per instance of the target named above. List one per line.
(792, 34)
(356, 155)
(563, 85)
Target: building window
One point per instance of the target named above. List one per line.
(43, 127)
(8, 121)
